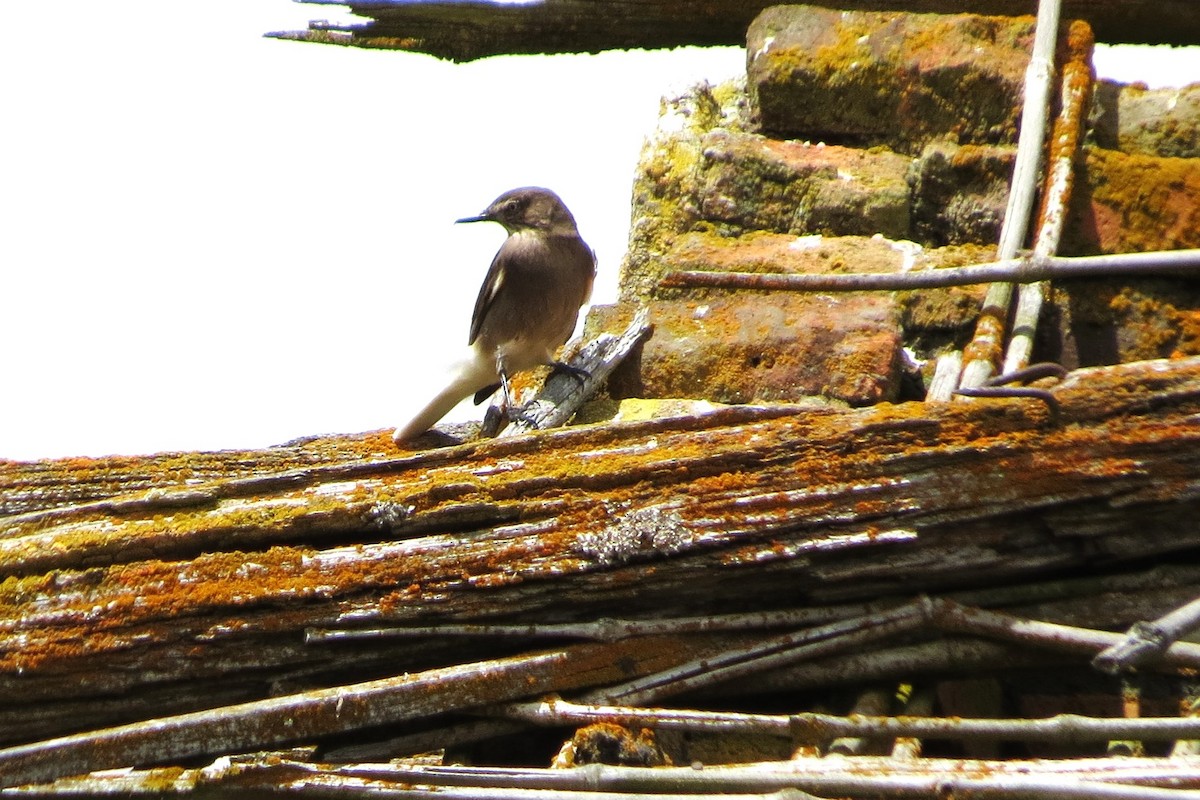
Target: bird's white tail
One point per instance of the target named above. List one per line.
(461, 381)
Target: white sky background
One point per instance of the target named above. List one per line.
(210, 240)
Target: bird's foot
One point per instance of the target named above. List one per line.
(499, 416)
(521, 414)
(562, 367)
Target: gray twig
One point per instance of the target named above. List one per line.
(950, 616)
(1026, 269)
(861, 777)
(1063, 729)
(998, 386)
(607, 629)
(1147, 640)
(772, 653)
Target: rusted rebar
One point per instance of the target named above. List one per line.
(983, 353)
(1066, 138)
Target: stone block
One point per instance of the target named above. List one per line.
(1123, 203)
(665, 186)
(1115, 321)
(890, 78)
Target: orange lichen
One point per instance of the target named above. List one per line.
(749, 476)
(1131, 203)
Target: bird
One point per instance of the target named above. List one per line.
(528, 305)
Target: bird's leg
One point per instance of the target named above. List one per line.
(509, 407)
(505, 385)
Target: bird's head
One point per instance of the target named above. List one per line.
(528, 208)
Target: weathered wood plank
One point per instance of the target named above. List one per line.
(201, 593)
(463, 31)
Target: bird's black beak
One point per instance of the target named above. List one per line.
(484, 217)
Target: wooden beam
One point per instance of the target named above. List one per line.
(464, 31)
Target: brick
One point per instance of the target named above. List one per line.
(744, 348)
(751, 182)
(888, 78)
(960, 192)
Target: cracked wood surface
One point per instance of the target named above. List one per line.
(196, 589)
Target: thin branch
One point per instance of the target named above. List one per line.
(341, 709)
(1147, 640)
(1028, 373)
(1028, 269)
(609, 629)
(997, 386)
(950, 616)
(1063, 729)
(945, 377)
(969, 652)
(861, 777)
(770, 654)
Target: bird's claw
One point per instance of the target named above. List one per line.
(563, 368)
(521, 414)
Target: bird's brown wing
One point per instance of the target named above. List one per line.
(487, 293)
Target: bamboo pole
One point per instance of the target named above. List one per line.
(1066, 140)
(982, 354)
